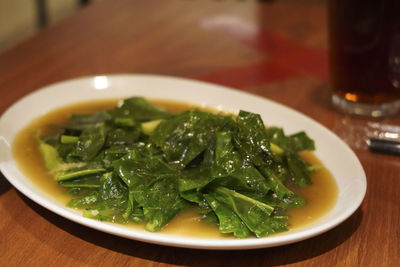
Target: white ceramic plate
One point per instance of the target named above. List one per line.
(333, 153)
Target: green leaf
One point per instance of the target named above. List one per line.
(186, 135)
(300, 141)
(90, 118)
(139, 109)
(72, 174)
(299, 171)
(251, 139)
(91, 141)
(232, 171)
(124, 122)
(287, 202)
(113, 195)
(122, 136)
(275, 183)
(90, 181)
(256, 215)
(295, 142)
(154, 186)
(88, 201)
(228, 221)
(49, 154)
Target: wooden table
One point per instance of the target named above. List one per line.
(275, 50)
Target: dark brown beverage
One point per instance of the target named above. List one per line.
(364, 40)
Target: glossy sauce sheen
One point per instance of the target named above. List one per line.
(320, 196)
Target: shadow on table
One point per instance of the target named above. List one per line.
(4, 184)
(191, 257)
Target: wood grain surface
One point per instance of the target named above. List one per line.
(277, 50)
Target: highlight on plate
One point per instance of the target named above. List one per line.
(140, 163)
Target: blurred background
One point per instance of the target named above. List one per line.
(20, 19)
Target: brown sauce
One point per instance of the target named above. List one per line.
(320, 196)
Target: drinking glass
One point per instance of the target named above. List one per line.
(364, 45)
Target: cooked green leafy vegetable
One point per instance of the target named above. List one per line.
(140, 163)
